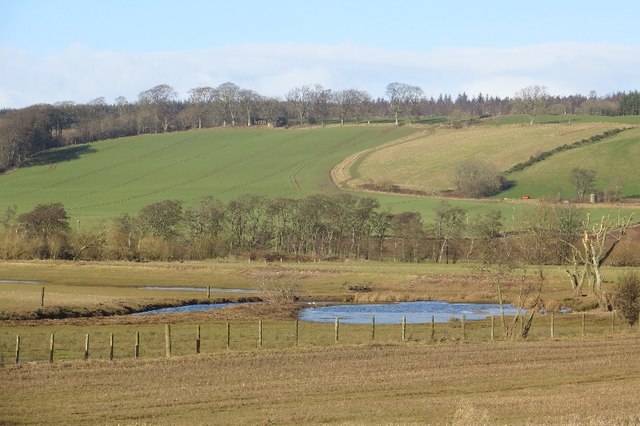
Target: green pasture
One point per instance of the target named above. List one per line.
(615, 160)
(104, 179)
(633, 120)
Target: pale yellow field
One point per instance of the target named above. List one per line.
(428, 163)
(570, 382)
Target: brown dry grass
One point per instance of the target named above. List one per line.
(550, 382)
(98, 288)
(428, 162)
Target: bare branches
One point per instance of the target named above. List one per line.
(597, 243)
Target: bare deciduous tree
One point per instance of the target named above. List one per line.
(202, 99)
(583, 180)
(158, 101)
(402, 96)
(589, 255)
(300, 99)
(531, 101)
(449, 225)
(249, 100)
(228, 97)
(321, 103)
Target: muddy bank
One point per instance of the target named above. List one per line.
(65, 312)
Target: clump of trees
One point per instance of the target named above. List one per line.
(319, 227)
(629, 103)
(327, 227)
(316, 227)
(476, 178)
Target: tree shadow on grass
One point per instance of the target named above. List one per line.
(59, 155)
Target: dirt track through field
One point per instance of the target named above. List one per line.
(341, 173)
(568, 382)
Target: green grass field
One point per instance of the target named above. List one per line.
(105, 179)
(632, 120)
(613, 159)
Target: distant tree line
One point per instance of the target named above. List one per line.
(318, 227)
(26, 131)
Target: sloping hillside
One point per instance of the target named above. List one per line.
(615, 161)
(108, 178)
(428, 163)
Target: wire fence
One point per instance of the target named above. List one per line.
(66, 343)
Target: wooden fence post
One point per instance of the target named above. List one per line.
(337, 329)
(260, 333)
(136, 347)
(110, 346)
(228, 335)
(52, 346)
(208, 292)
(433, 327)
(373, 327)
(464, 329)
(404, 328)
(167, 340)
(17, 349)
(85, 354)
(553, 325)
(198, 339)
(42, 297)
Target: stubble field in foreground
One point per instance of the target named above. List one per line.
(552, 382)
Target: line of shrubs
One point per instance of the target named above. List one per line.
(546, 154)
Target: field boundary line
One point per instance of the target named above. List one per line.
(341, 173)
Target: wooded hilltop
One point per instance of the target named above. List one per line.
(27, 131)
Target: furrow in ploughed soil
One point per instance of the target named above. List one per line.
(501, 382)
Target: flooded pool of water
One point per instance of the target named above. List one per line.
(18, 282)
(392, 313)
(187, 308)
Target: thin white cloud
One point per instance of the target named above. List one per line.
(80, 74)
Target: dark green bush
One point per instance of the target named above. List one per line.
(626, 298)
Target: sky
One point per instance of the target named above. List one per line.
(66, 50)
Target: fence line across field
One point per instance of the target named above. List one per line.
(237, 335)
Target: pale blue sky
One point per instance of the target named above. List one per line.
(79, 50)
